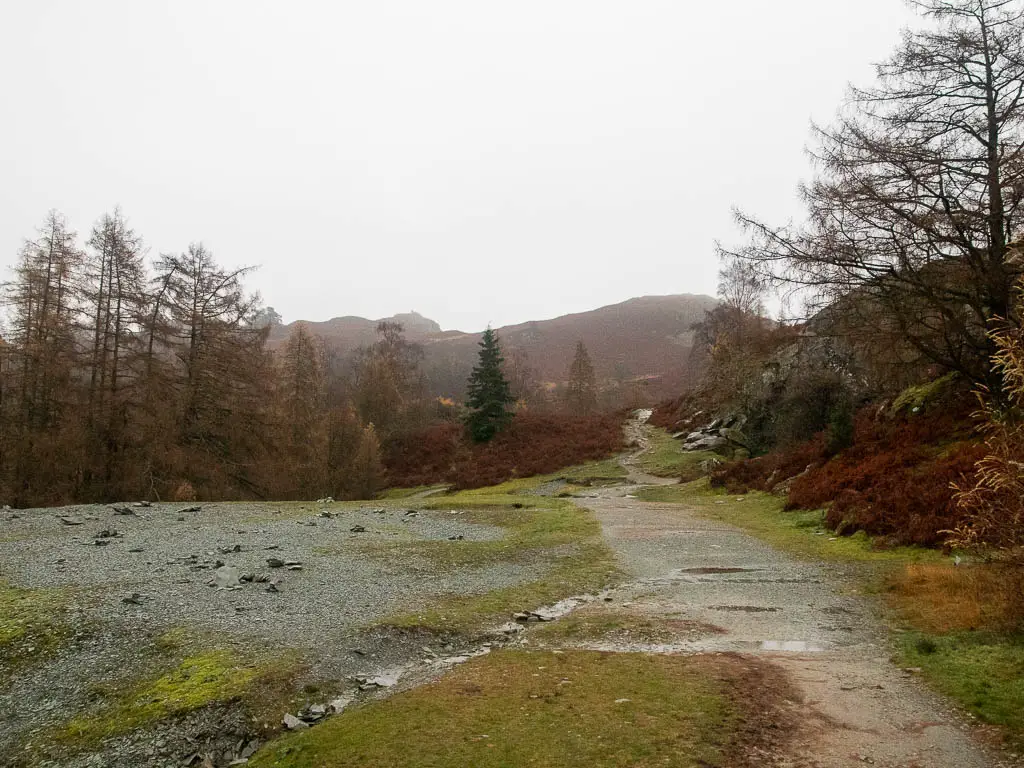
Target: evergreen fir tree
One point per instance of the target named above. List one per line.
(581, 396)
(489, 393)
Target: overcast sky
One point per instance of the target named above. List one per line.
(479, 162)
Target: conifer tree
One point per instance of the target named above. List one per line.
(489, 393)
(581, 396)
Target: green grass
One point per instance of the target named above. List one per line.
(397, 494)
(800, 532)
(514, 708)
(984, 672)
(607, 472)
(537, 529)
(666, 457)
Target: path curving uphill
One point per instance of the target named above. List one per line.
(856, 707)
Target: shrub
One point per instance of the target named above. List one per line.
(895, 480)
(533, 444)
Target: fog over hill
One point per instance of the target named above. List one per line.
(648, 338)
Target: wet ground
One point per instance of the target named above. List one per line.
(857, 706)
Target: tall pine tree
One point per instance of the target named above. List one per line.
(581, 396)
(489, 393)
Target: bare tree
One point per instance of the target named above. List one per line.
(114, 305)
(918, 195)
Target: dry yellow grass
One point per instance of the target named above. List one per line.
(941, 598)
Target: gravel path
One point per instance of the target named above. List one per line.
(857, 707)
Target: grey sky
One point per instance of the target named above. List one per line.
(472, 160)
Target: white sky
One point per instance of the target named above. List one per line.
(473, 160)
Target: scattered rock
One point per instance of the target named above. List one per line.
(261, 578)
(186, 510)
(109, 533)
(325, 500)
(142, 504)
(229, 550)
(337, 706)
(272, 587)
(275, 562)
(460, 537)
(123, 511)
(357, 529)
(133, 599)
(71, 520)
(247, 577)
(383, 680)
(292, 723)
(521, 616)
(249, 750)
(136, 550)
(226, 577)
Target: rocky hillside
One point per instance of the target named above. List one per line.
(646, 338)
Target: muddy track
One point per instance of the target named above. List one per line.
(856, 707)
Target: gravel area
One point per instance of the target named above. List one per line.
(168, 558)
(133, 576)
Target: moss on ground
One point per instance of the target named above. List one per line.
(913, 399)
(215, 676)
(511, 708)
(32, 624)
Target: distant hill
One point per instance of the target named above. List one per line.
(645, 338)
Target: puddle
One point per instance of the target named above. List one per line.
(745, 608)
(714, 645)
(798, 646)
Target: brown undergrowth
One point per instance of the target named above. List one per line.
(534, 444)
(894, 481)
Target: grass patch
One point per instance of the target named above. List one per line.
(607, 472)
(31, 623)
(942, 598)
(800, 532)
(515, 707)
(397, 494)
(983, 671)
(666, 458)
(537, 528)
(963, 640)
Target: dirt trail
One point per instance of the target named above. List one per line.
(857, 707)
